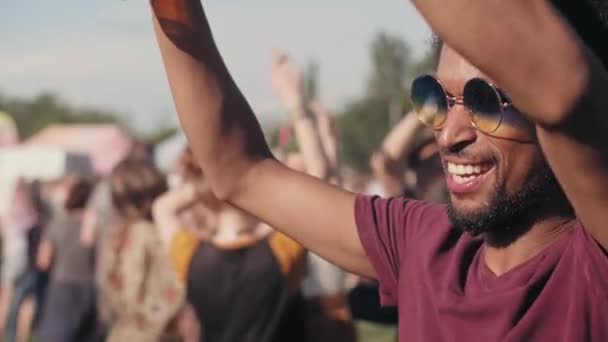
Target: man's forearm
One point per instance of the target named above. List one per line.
(224, 134)
(229, 144)
(513, 41)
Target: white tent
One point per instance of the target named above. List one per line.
(42, 163)
(105, 144)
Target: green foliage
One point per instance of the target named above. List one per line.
(427, 64)
(159, 135)
(31, 115)
(366, 121)
(390, 57)
(363, 125)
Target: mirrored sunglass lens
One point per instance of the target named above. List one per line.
(484, 103)
(429, 99)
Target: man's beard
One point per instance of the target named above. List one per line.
(508, 216)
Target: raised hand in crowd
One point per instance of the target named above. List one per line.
(389, 162)
(287, 84)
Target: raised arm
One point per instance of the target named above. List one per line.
(228, 143)
(388, 161)
(328, 132)
(286, 81)
(533, 54)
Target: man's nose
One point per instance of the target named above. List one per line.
(457, 131)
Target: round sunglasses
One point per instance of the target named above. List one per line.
(484, 102)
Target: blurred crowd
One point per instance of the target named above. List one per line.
(145, 256)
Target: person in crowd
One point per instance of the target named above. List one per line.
(142, 291)
(99, 219)
(14, 245)
(517, 104)
(408, 163)
(256, 272)
(100, 215)
(69, 312)
(317, 141)
(28, 215)
(18, 219)
(198, 214)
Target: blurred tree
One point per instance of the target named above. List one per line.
(161, 134)
(31, 115)
(427, 64)
(391, 58)
(365, 121)
(363, 125)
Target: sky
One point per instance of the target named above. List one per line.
(102, 53)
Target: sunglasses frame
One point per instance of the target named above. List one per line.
(459, 100)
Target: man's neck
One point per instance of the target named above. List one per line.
(542, 234)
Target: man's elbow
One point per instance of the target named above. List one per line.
(228, 183)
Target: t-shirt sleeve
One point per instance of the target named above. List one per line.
(291, 257)
(386, 228)
(595, 257)
(182, 248)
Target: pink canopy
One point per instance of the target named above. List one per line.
(106, 144)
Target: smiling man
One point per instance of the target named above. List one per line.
(518, 107)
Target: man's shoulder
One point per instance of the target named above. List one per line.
(591, 257)
(407, 210)
(410, 219)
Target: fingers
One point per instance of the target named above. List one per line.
(318, 108)
(286, 79)
(279, 56)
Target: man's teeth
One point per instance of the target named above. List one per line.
(462, 180)
(466, 172)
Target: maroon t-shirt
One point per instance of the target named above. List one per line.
(445, 292)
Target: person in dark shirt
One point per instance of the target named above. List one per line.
(517, 107)
(69, 312)
(254, 295)
(256, 273)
